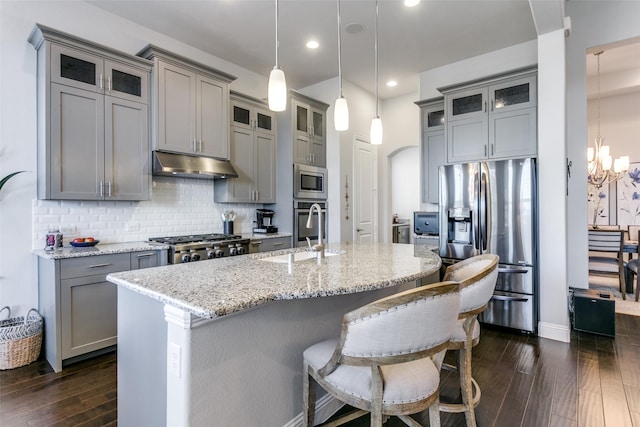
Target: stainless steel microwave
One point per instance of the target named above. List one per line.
(309, 182)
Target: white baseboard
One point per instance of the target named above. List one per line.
(554, 331)
(326, 406)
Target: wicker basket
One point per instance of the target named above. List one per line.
(20, 339)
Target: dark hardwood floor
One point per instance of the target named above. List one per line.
(525, 381)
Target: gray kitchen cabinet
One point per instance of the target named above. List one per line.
(432, 147)
(269, 244)
(492, 119)
(80, 306)
(190, 105)
(310, 140)
(93, 120)
(253, 154)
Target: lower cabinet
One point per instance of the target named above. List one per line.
(269, 244)
(80, 306)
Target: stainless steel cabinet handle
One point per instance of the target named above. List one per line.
(145, 255)
(100, 265)
(278, 244)
(485, 150)
(101, 82)
(485, 106)
(492, 105)
(195, 144)
(109, 84)
(101, 189)
(200, 145)
(109, 189)
(492, 149)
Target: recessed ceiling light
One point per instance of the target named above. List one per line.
(392, 83)
(411, 3)
(312, 44)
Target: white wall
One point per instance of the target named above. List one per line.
(401, 124)
(340, 150)
(405, 174)
(594, 23)
(177, 206)
(552, 221)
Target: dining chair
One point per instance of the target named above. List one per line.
(605, 256)
(387, 360)
(633, 266)
(477, 277)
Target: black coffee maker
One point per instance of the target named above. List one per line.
(264, 219)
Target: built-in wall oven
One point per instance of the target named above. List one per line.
(309, 182)
(300, 217)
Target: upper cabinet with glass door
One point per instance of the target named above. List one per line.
(309, 119)
(87, 71)
(492, 119)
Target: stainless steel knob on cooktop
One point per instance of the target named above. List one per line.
(186, 258)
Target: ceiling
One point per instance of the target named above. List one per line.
(411, 40)
(619, 69)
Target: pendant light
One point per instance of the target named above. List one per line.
(277, 93)
(341, 110)
(376, 123)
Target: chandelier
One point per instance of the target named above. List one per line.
(599, 170)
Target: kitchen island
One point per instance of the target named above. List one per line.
(220, 342)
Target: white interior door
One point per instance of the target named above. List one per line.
(365, 191)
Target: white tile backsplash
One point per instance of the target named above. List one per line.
(177, 206)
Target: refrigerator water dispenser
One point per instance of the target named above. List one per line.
(459, 226)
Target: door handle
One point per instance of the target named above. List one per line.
(359, 229)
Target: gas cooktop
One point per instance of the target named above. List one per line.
(195, 238)
(199, 247)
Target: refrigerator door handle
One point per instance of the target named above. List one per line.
(484, 210)
(506, 298)
(476, 226)
(512, 270)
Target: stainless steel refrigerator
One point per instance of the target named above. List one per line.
(490, 207)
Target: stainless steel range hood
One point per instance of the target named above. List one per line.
(182, 165)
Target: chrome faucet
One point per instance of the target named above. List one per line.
(319, 247)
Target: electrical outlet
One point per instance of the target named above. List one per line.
(175, 359)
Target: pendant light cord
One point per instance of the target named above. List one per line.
(339, 53)
(376, 56)
(277, 38)
(598, 74)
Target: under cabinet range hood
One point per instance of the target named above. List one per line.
(182, 165)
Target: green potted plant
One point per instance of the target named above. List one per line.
(4, 180)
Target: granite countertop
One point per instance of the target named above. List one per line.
(99, 249)
(223, 286)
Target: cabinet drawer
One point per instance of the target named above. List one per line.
(93, 265)
(270, 244)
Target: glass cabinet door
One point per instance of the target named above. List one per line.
(318, 124)
(302, 120)
(240, 114)
(467, 104)
(75, 68)
(264, 121)
(434, 119)
(123, 81)
(514, 94)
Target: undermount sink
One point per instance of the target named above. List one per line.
(297, 256)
